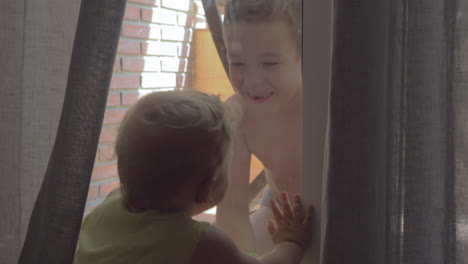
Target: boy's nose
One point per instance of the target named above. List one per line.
(253, 79)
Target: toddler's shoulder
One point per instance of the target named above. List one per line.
(216, 247)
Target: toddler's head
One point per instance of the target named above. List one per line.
(168, 142)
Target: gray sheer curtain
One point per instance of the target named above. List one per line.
(397, 186)
(56, 218)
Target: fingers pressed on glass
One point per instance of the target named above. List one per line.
(287, 212)
(276, 212)
(271, 227)
(298, 209)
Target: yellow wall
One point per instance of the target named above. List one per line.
(209, 77)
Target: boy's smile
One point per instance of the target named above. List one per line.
(264, 62)
(261, 98)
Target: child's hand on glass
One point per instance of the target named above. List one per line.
(293, 225)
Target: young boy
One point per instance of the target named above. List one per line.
(263, 41)
(174, 152)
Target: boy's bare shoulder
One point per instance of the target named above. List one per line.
(234, 110)
(234, 98)
(234, 103)
(216, 247)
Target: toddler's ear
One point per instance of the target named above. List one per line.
(204, 191)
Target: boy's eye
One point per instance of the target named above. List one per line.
(236, 64)
(270, 63)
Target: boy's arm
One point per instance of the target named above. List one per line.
(215, 247)
(232, 214)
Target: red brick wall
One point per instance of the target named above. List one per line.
(154, 53)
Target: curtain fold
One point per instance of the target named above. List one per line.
(459, 94)
(55, 222)
(355, 190)
(11, 20)
(396, 186)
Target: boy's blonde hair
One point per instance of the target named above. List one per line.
(167, 140)
(252, 11)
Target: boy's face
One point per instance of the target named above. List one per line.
(265, 65)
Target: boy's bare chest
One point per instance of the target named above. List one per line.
(277, 144)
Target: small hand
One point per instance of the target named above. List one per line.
(294, 225)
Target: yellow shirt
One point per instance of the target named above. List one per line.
(111, 234)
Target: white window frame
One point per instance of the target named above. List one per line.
(316, 59)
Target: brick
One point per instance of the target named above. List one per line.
(133, 64)
(108, 134)
(174, 65)
(162, 16)
(141, 31)
(93, 192)
(116, 65)
(124, 82)
(96, 157)
(141, 64)
(107, 187)
(128, 47)
(160, 48)
(175, 33)
(106, 153)
(114, 116)
(104, 171)
(146, 2)
(199, 10)
(152, 64)
(113, 99)
(188, 81)
(132, 13)
(158, 80)
(183, 5)
(130, 98)
(186, 20)
(184, 81)
(184, 50)
(200, 23)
